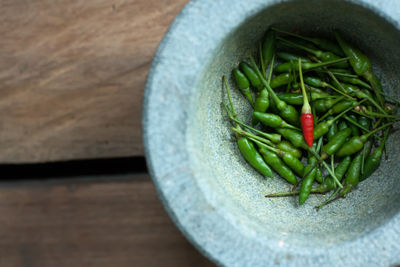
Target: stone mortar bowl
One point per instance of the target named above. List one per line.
(214, 197)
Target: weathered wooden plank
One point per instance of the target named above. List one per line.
(118, 221)
(72, 76)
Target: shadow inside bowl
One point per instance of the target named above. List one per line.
(234, 188)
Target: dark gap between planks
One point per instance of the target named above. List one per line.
(73, 168)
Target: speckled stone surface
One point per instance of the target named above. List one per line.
(210, 192)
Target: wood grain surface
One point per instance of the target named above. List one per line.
(72, 75)
(108, 221)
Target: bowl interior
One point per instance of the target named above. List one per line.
(234, 188)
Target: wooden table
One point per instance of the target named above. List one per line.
(72, 75)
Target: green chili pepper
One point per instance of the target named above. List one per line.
(320, 42)
(306, 184)
(332, 130)
(374, 160)
(297, 98)
(335, 143)
(314, 81)
(277, 165)
(295, 137)
(250, 153)
(281, 79)
(356, 143)
(366, 124)
(251, 75)
(243, 84)
(289, 113)
(323, 105)
(325, 56)
(291, 57)
(353, 175)
(261, 103)
(288, 147)
(290, 66)
(291, 98)
(310, 175)
(268, 47)
(292, 162)
(318, 175)
(359, 62)
(362, 66)
(271, 120)
(365, 153)
(317, 93)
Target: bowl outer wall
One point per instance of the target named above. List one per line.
(196, 31)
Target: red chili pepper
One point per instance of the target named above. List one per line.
(307, 124)
(306, 119)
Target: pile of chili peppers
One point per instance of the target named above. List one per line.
(320, 118)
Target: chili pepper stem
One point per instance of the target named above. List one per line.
(283, 194)
(332, 173)
(336, 80)
(261, 58)
(339, 92)
(376, 104)
(252, 136)
(338, 73)
(366, 136)
(375, 84)
(311, 66)
(264, 145)
(328, 200)
(277, 137)
(314, 190)
(375, 114)
(228, 91)
(294, 45)
(271, 68)
(292, 34)
(363, 159)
